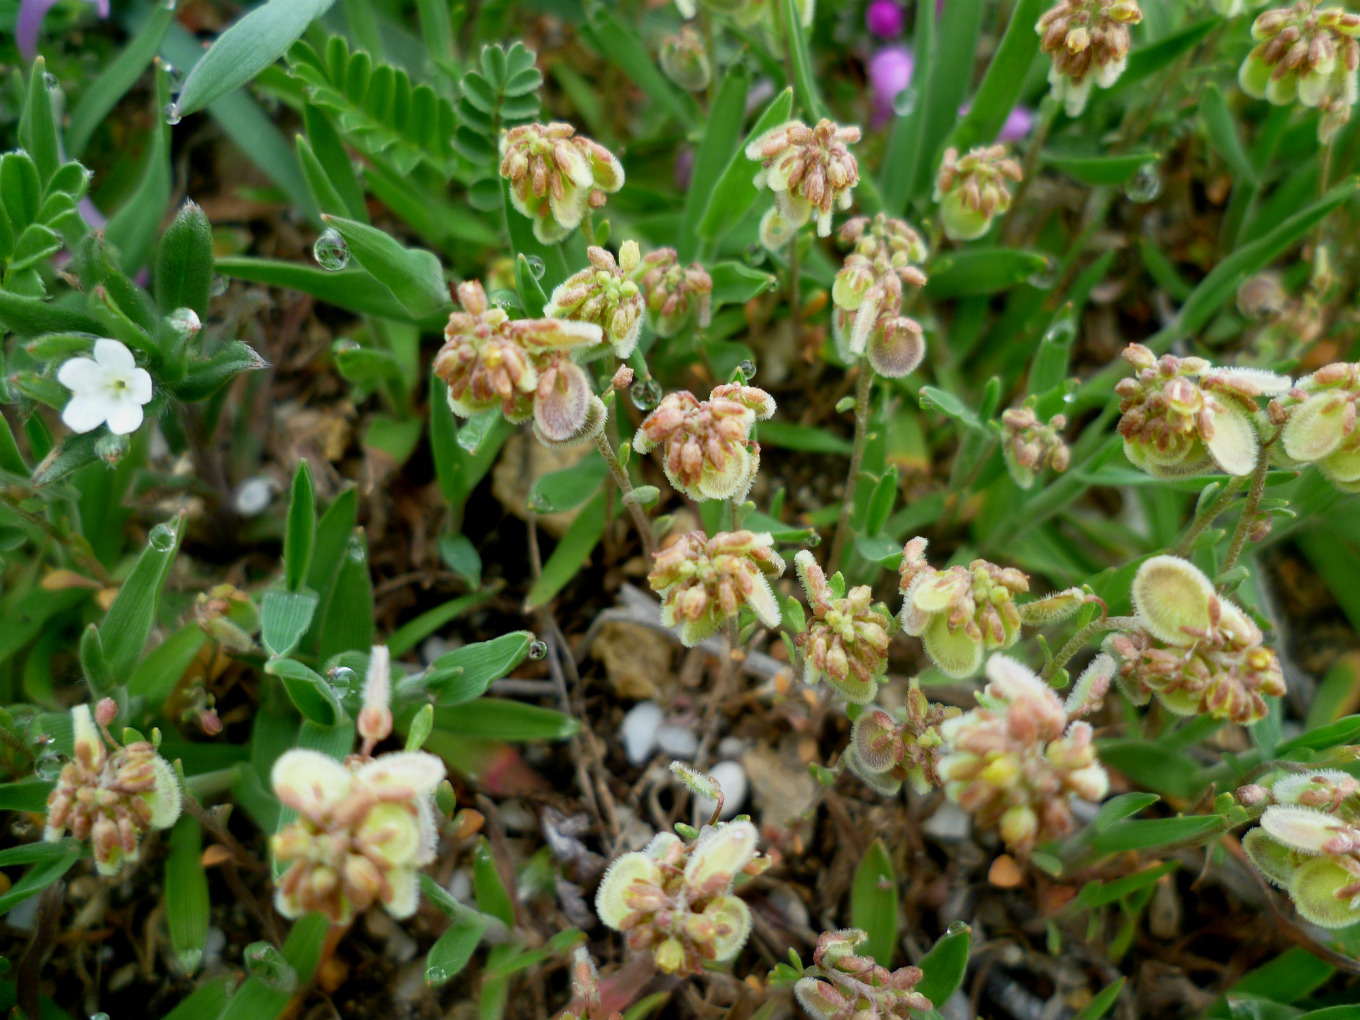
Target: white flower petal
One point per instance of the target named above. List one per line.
(85, 413)
(124, 416)
(139, 386)
(80, 375)
(113, 356)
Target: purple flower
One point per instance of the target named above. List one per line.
(31, 14)
(1019, 124)
(884, 19)
(889, 75)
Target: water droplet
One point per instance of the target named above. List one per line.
(218, 287)
(904, 102)
(48, 766)
(50, 81)
(646, 394)
(956, 928)
(172, 114)
(1145, 184)
(174, 76)
(1044, 278)
(538, 649)
(356, 551)
(184, 321)
(330, 251)
(1061, 332)
(344, 680)
(536, 266)
(265, 962)
(813, 540)
(436, 976)
(756, 255)
(169, 5)
(747, 369)
(99, 1016)
(162, 538)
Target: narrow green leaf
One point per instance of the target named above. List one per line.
(735, 193)
(874, 903)
(353, 289)
(497, 719)
(186, 894)
(308, 691)
(245, 49)
(1100, 171)
(284, 618)
(50, 861)
(300, 537)
(205, 1002)
(1153, 832)
(128, 623)
(157, 675)
(492, 896)
(944, 966)
(997, 94)
(184, 262)
(567, 489)
(804, 83)
(414, 275)
(735, 283)
(329, 151)
(616, 42)
(346, 622)
(465, 673)
(960, 273)
(450, 954)
(1221, 130)
(1102, 1003)
(573, 549)
(410, 634)
(38, 124)
(94, 664)
(133, 228)
(722, 132)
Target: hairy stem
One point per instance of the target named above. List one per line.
(1206, 517)
(1077, 641)
(625, 484)
(1048, 110)
(863, 390)
(1248, 518)
(81, 556)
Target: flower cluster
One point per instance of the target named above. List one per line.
(846, 641)
(1017, 761)
(523, 366)
(1028, 445)
(809, 169)
(1182, 416)
(973, 188)
(674, 898)
(842, 985)
(1319, 423)
(1196, 651)
(106, 387)
(706, 447)
(1088, 41)
(111, 799)
(1308, 53)
(868, 295)
(887, 750)
(705, 581)
(605, 294)
(555, 175)
(960, 612)
(674, 294)
(1309, 845)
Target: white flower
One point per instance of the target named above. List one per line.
(106, 388)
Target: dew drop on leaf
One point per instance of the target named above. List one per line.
(536, 266)
(48, 765)
(172, 114)
(162, 538)
(344, 680)
(330, 251)
(99, 1016)
(747, 369)
(50, 81)
(904, 102)
(537, 649)
(436, 976)
(1043, 279)
(218, 287)
(1145, 184)
(646, 394)
(756, 255)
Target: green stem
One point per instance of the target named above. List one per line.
(1248, 519)
(625, 484)
(1078, 640)
(863, 390)
(1206, 517)
(88, 561)
(1048, 110)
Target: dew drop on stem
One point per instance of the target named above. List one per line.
(330, 251)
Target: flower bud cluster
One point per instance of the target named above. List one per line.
(705, 445)
(1017, 761)
(555, 175)
(605, 294)
(1308, 53)
(674, 898)
(1088, 42)
(1182, 416)
(959, 612)
(111, 799)
(1319, 419)
(1195, 651)
(842, 985)
(846, 641)
(704, 581)
(1029, 446)
(585, 991)
(809, 169)
(522, 366)
(674, 294)
(972, 189)
(887, 750)
(868, 295)
(1309, 844)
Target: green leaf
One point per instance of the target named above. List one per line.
(803, 438)
(30, 316)
(997, 94)
(1221, 130)
(245, 49)
(413, 275)
(966, 272)
(128, 623)
(38, 125)
(874, 903)
(205, 1002)
(300, 537)
(284, 618)
(465, 673)
(1153, 832)
(308, 691)
(458, 470)
(949, 405)
(735, 283)
(133, 228)
(722, 132)
(735, 193)
(354, 289)
(1101, 1004)
(94, 664)
(450, 954)
(184, 262)
(1101, 171)
(267, 993)
(205, 376)
(569, 488)
(346, 622)
(157, 675)
(505, 720)
(1098, 893)
(1323, 738)
(50, 861)
(944, 966)
(186, 894)
(327, 149)
(571, 552)
(29, 795)
(492, 896)
(800, 64)
(1148, 60)
(1116, 809)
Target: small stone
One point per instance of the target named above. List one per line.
(1005, 873)
(639, 731)
(677, 741)
(731, 777)
(949, 824)
(254, 496)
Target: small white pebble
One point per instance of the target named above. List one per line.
(677, 741)
(254, 496)
(639, 731)
(433, 647)
(950, 823)
(731, 777)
